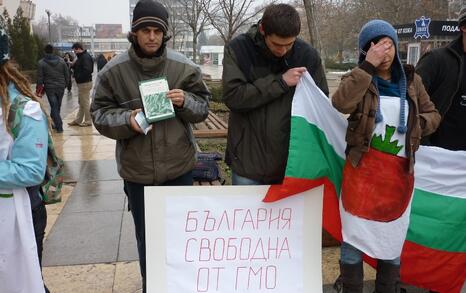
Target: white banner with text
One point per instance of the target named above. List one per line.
(225, 239)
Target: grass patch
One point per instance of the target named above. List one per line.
(218, 107)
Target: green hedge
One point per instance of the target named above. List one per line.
(217, 93)
(215, 88)
(331, 64)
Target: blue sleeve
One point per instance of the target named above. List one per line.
(29, 155)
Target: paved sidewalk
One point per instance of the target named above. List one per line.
(90, 244)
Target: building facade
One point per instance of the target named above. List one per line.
(103, 38)
(211, 55)
(29, 8)
(422, 35)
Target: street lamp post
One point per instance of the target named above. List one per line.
(50, 34)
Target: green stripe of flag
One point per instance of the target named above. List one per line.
(437, 221)
(316, 157)
(6, 195)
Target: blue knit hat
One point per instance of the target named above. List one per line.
(375, 29)
(4, 48)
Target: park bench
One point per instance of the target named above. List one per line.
(212, 127)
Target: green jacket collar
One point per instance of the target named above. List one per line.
(154, 64)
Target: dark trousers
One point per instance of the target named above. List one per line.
(39, 221)
(55, 97)
(70, 81)
(135, 194)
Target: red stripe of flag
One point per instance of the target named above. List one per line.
(441, 271)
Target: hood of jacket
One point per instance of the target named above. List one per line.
(51, 59)
(79, 55)
(457, 46)
(259, 41)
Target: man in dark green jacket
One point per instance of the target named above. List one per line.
(443, 74)
(260, 72)
(166, 155)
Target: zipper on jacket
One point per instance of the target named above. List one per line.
(410, 122)
(266, 149)
(165, 130)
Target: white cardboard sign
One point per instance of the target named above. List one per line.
(225, 239)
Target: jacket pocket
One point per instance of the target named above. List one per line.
(354, 120)
(136, 155)
(176, 132)
(416, 134)
(238, 142)
(354, 133)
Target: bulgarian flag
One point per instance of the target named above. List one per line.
(434, 253)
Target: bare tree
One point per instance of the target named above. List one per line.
(309, 9)
(194, 18)
(338, 22)
(400, 11)
(176, 26)
(60, 26)
(229, 16)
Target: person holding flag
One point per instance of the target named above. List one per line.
(389, 111)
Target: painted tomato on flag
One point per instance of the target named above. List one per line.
(380, 187)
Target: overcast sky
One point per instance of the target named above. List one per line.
(90, 12)
(87, 12)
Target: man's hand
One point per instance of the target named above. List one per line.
(177, 97)
(377, 52)
(132, 121)
(292, 76)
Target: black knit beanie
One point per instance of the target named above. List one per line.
(149, 13)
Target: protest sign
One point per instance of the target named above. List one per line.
(225, 239)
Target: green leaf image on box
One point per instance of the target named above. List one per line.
(156, 105)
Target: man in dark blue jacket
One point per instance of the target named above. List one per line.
(83, 68)
(53, 75)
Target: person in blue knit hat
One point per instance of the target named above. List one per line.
(389, 111)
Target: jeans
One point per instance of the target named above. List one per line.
(240, 180)
(352, 255)
(135, 194)
(55, 97)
